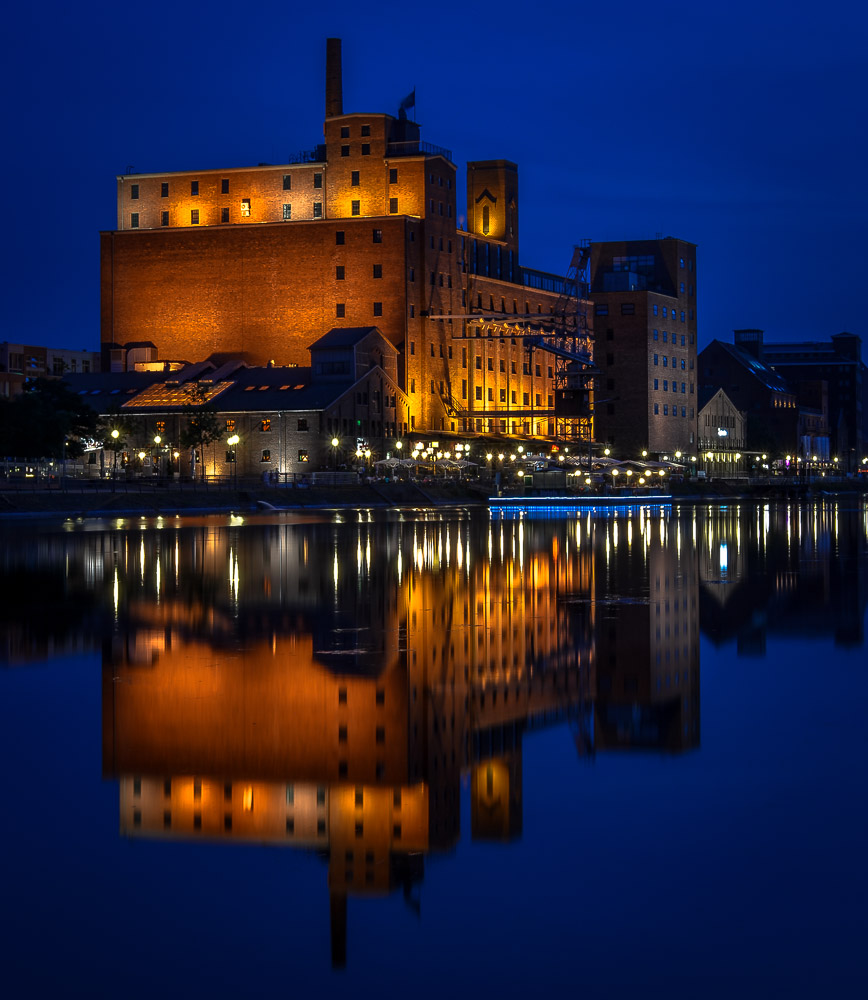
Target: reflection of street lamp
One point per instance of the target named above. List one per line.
(232, 442)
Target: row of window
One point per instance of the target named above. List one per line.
(674, 385)
(674, 410)
(345, 131)
(224, 214)
(224, 186)
(341, 309)
(655, 335)
(629, 309)
(366, 149)
(674, 362)
(341, 271)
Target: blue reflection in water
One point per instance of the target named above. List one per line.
(476, 741)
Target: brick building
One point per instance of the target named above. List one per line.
(259, 262)
(644, 295)
(22, 362)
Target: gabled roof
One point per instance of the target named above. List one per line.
(341, 337)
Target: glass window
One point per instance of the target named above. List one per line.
(134, 220)
(287, 212)
(317, 209)
(317, 180)
(164, 189)
(245, 207)
(224, 186)
(194, 187)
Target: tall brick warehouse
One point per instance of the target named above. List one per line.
(260, 262)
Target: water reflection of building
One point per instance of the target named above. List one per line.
(329, 686)
(786, 569)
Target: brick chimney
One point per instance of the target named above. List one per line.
(334, 96)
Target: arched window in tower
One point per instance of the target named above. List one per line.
(485, 220)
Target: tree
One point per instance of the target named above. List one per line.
(202, 426)
(48, 420)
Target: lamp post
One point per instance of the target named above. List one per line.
(335, 444)
(232, 442)
(157, 442)
(115, 435)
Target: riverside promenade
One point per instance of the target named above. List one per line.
(145, 498)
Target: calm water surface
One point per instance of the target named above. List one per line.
(619, 754)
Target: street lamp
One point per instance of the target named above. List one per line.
(157, 442)
(115, 435)
(335, 444)
(232, 442)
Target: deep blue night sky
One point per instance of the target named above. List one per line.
(740, 128)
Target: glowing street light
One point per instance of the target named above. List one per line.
(232, 442)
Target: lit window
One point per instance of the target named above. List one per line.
(245, 207)
(247, 799)
(303, 455)
(230, 425)
(317, 209)
(265, 425)
(266, 455)
(356, 207)
(194, 217)
(287, 212)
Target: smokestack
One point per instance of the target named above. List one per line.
(334, 94)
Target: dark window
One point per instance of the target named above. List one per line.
(366, 130)
(356, 207)
(378, 270)
(339, 272)
(378, 235)
(340, 310)
(366, 149)
(194, 217)
(164, 189)
(342, 696)
(610, 359)
(339, 238)
(628, 309)
(224, 215)
(393, 206)
(134, 190)
(224, 185)
(393, 175)
(378, 308)
(134, 220)
(601, 309)
(354, 178)
(194, 187)
(380, 696)
(317, 180)
(302, 424)
(345, 150)
(287, 182)
(266, 455)
(345, 131)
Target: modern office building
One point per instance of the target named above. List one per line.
(644, 297)
(260, 262)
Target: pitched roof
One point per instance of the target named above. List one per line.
(761, 372)
(342, 337)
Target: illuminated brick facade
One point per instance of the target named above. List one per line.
(363, 230)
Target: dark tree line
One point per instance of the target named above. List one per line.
(37, 423)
